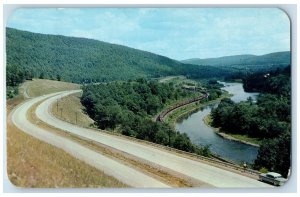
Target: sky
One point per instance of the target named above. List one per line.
(178, 33)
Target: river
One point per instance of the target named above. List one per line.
(202, 134)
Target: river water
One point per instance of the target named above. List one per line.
(202, 134)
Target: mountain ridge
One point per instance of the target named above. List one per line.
(282, 57)
(82, 60)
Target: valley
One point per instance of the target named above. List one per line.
(132, 119)
(129, 148)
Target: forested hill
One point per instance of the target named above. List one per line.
(278, 58)
(77, 59)
(86, 60)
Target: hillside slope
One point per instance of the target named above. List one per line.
(82, 60)
(85, 60)
(278, 58)
(79, 59)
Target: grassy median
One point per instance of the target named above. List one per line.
(70, 110)
(33, 163)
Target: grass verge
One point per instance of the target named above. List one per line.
(69, 109)
(38, 87)
(33, 163)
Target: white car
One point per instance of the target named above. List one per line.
(273, 178)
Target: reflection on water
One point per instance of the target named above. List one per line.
(238, 92)
(201, 134)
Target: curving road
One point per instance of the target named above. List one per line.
(205, 173)
(111, 167)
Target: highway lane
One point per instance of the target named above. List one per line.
(195, 169)
(109, 166)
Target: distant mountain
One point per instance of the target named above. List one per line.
(278, 58)
(86, 60)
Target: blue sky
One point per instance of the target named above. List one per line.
(179, 33)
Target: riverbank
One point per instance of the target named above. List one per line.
(235, 137)
(174, 116)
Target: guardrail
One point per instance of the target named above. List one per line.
(184, 153)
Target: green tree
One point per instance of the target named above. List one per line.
(183, 142)
(153, 104)
(42, 75)
(274, 154)
(58, 77)
(162, 137)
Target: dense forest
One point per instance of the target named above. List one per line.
(268, 119)
(82, 60)
(274, 82)
(129, 107)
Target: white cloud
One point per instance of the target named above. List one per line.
(177, 33)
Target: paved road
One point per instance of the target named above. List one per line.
(197, 170)
(111, 167)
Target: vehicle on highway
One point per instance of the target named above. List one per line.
(273, 178)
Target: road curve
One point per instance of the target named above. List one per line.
(111, 167)
(197, 170)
